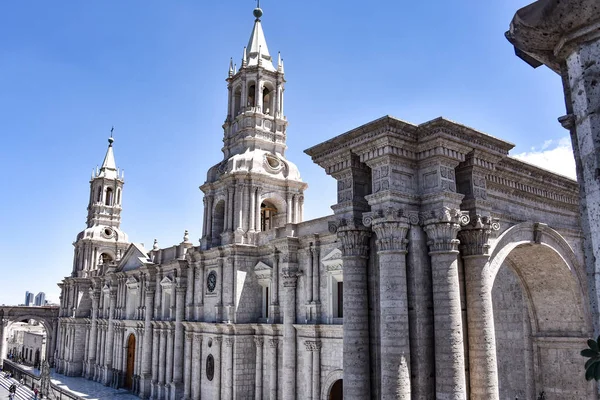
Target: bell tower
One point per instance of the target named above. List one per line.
(254, 188)
(102, 242)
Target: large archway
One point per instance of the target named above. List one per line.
(541, 317)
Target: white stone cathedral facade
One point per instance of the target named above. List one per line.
(448, 270)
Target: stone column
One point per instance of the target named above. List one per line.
(290, 278)
(355, 253)
(3, 338)
(147, 356)
(252, 221)
(273, 343)
(187, 379)
(391, 227)
(480, 315)
(564, 36)
(189, 295)
(227, 377)
(196, 374)
(258, 380)
(442, 227)
(274, 312)
(257, 210)
(155, 355)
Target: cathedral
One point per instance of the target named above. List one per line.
(447, 270)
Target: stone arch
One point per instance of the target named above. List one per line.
(218, 221)
(268, 98)
(17, 314)
(329, 381)
(276, 201)
(547, 281)
(237, 100)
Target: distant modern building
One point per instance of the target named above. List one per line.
(40, 299)
(29, 299)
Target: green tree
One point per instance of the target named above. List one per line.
(592, 366)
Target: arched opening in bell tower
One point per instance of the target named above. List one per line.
(237, 101)
(252, 95)
(268, 96)
(268, 212)
(109, 197)
(218, 221)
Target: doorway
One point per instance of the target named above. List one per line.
(337, 390)
(130, 361)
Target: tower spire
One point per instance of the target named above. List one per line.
(109, 168)
(257, 50)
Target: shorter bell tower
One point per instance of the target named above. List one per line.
(102, 242)
(254, 188)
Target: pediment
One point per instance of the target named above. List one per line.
(333, 260)
(135, 257)
(166, 282)
(263, 271)
(106, 288)
(132, 283)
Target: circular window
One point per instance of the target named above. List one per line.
(272, 163)
(107, 232)
(210, 367)
(211, 281)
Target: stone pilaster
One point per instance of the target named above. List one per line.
(391, 227)
(108, 356)
(188, 376)
(258, 381)
(273, 343)
(355, 253)
(480, 315)
(93, 331)
(147, 356)
(177, 389)
(227, 368)
(313, 373)
(196, 374)
(442, 226)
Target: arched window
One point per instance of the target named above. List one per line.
(99, 194)
(118, 196)
(252, 96)
(105, 258)
(109, 197)
(267, 216)
(218, 222)
(267, 100)
(237, 101)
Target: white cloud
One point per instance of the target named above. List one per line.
(554, 155)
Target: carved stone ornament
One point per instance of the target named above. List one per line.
(258, 341)
(391, 227)
(442, 227)
(273, 342)
(312, 345)
(474, 238)
(354, 238)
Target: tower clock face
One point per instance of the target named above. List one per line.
(211, 281)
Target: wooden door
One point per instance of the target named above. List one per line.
(130, 361)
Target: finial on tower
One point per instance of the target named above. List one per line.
(111, 139)
(231, 72)
(258, 12)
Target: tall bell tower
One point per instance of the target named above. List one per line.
(254, 188)
(102, 242)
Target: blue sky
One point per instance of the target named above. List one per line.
(156, 70)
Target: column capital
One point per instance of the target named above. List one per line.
(391, 226)
(273, 343)
(474, 237)
(355, 239)
(197, 338)
(290, 277)
(229, 341)
(442, 226)
(189, 336)
(312, 345)
(258, 341)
